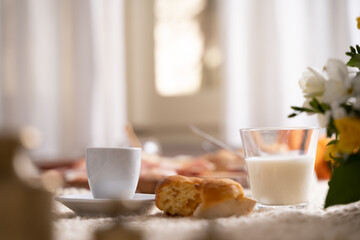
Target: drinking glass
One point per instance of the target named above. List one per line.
(280, 163)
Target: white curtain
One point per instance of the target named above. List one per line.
(268, 45)
(62, 71)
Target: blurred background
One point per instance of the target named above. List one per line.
(76, 72)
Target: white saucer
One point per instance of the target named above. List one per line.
(85, 204)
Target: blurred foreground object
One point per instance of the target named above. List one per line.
(118, 231)
(51, 180)
(30, 137)
(25, 211)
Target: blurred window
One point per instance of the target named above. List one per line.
(185, 47)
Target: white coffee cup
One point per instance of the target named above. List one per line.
(113, 173)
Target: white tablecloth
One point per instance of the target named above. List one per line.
(313, 222)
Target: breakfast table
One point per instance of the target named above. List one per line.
(311, 222)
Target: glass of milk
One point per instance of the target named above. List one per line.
(280, 163)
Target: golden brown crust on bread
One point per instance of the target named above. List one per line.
(215, 191)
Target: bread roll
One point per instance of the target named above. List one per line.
(208, 198)
(178, 195)
(215, 191)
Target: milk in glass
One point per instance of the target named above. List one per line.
(280, 180)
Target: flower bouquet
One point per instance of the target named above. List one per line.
(335, 97)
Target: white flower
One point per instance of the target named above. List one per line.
(337, 111)
(334, 92)
(357, 103)
(356, 91)
(338, 86)
(338, 71)
(312, 83)
(356, 85)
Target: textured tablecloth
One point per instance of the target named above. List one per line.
(313, 222)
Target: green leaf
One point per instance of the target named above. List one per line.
(356, 113)
(301, 109)
(314, 104)
(336, 159)
(347, 107)
(354, 61)
(292, 115)
(325, 106)
(331, 128)
(318, 105)
(334, 141)
(344, 184)
(354, 57)
(352, 49)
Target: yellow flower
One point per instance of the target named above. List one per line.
(331, 150)
(358, 21)
(349, 134)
